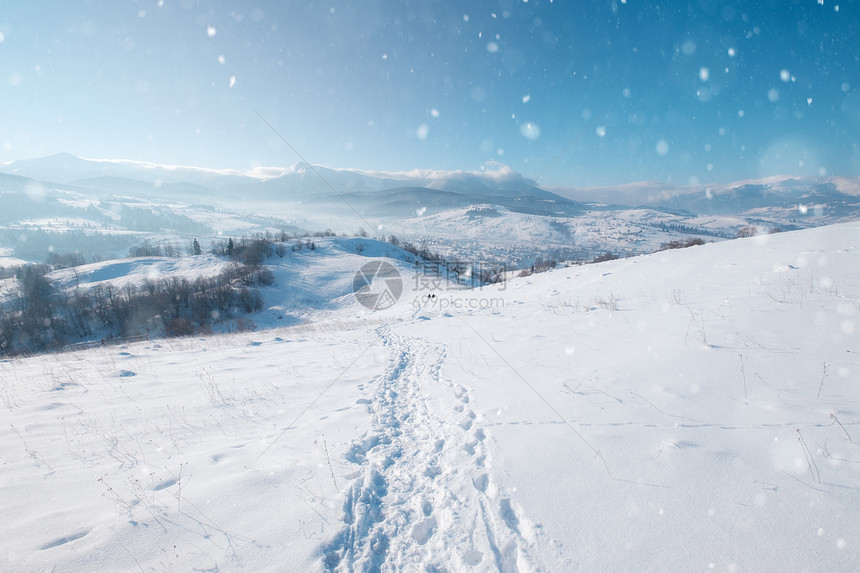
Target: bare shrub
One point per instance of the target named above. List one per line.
(179, 327)
(250, 299)
(607, 256)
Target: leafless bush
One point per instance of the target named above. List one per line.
(605, 257)
(251, 300)
(179, 327)
(679, 244)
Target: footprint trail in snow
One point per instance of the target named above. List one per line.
(423, 498)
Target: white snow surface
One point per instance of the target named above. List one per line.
(693, 409)
(136, 270)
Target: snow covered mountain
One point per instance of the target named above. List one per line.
(839, 195)
(67, 168)
(107, 206)
(299, 182)
(692, 409)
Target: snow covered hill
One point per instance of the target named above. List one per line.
(693, 409)
(496, 233)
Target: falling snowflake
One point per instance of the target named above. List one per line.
(530, 131)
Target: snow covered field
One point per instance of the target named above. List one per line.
(694, 409)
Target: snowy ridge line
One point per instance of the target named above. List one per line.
(422, 496)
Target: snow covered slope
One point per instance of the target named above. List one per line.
(693, 409)
(498, 234)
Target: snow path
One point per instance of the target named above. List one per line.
(423, 498)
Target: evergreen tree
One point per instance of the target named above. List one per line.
(195, 247)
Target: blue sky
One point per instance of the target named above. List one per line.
(576, 93)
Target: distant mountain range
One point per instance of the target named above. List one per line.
(297, 182)
(304, 182)
(731, 198)
(64, 191)
(65, 168)
(371, 193)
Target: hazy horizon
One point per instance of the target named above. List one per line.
(491, 169)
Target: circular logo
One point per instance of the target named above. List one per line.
(377, 285)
